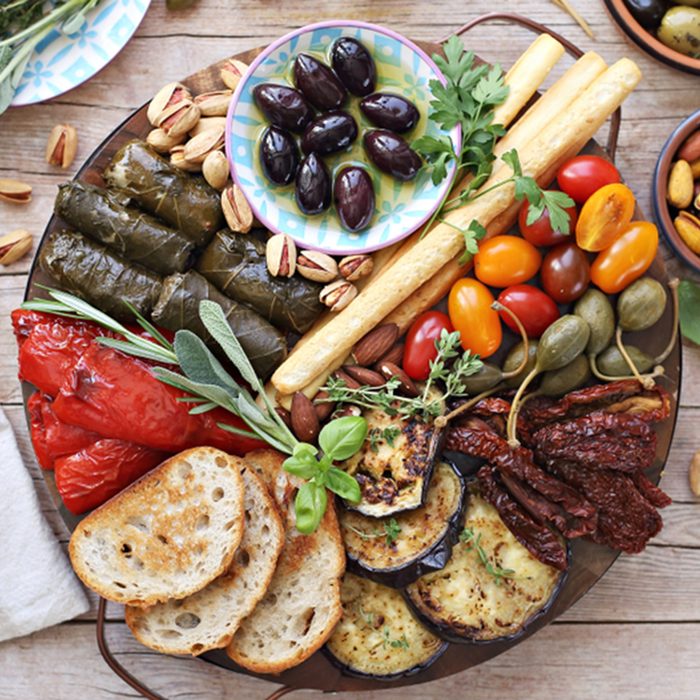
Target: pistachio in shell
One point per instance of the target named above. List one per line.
(595, 309)
(641, 305)
(561, 381)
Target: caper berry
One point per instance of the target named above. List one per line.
(641, 305)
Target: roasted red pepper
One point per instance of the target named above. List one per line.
(51, 437)
(118, 396)
(93, 475)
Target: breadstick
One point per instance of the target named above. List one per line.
(443, 243)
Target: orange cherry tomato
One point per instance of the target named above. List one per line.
(627, 259)
(503, 261)
(469, 307)
(603, 216)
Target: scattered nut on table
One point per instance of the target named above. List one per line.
(694, 474)
(62, 146)
(15, 191)
(14, 245)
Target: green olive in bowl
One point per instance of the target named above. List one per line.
(680, 30)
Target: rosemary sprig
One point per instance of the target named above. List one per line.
(473, 542)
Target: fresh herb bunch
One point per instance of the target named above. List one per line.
(23, 25)
(209, 385)
(450, 367)
(473, 542)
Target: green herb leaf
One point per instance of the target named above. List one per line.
(689, 298)
(309, 506)
(392, 530)
(200, 364)
(341, 438)
(473, 542)
(302, 464)
(343, 484)
(556, 203)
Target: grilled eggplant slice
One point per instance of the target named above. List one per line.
(466, 602)
(397, 551)
(378, 636)
(394, 476)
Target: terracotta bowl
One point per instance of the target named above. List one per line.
(662, 211)
(647, 41)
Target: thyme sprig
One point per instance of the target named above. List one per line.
(473, 542)
(390, 531)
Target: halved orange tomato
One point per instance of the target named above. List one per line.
(604, 216)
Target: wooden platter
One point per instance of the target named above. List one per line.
(589, 561)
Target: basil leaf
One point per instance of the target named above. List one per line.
(303, 448)
(302, 463)
(689, 298)
(309, 507)
(343, 484)
(342, 437)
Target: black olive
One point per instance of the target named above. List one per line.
(331, 132)
(354, 197)
(318, 82)
(391, 154)
(390, 111)
(313, 189)
(279, 155)
(283, 106)
(354, 66)
(647, 12)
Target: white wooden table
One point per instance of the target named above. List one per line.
(637, 634)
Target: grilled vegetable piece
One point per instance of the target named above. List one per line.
(397, 551)
(467, 602)
(378, 636)
(105, 216)
(236, 265)
(178, 307)
(94, 273)
(394, 476)
(180, 199)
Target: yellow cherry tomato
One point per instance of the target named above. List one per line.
(503, 261)
(605, 213)
(479, 326)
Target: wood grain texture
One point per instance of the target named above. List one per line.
(635, 635)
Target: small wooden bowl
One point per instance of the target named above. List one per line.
(647, 41)
(662, 211)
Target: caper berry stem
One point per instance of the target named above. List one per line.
(497, 306)
(658, 371)
(515, 408)
(647, 381)
(442, 421)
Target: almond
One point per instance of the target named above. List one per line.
(285, 415)
(349, 382)
(347, 411)
(305, 423)
(690, 150)
(390, 370)
(375, 344)
(366, 377)
(323, 410)
(394, 355)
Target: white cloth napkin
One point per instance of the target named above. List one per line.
(37, 585)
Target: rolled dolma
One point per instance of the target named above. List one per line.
(180, 199)
(91, 271)
(105, 216)
(236, 265)
(178, 307)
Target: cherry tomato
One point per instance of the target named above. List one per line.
(535, 310)
(581, 176)
(565, 273)
(603, 217)
(469, 306)
(540, 232)
(420, 343)
(505, 260)
(627, 259)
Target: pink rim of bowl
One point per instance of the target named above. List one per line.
(288, 37)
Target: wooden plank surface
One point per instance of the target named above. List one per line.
(636, 634)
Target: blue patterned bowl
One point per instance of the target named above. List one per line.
(401, 207)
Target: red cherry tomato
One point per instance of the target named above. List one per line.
(420, 343)
(469, 306)
(505, 260)
(535, 310)
(565, 273)
(581, 176)
(540, 232)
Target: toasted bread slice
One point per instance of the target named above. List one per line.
(208, 619)
(166, 536)
(302, 604)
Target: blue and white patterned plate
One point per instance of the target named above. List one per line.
(401, 207)
(62, 62)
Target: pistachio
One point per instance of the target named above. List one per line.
(237, 211)
(680, 185)
(62, 145)
(162, 142)
(688, 227)
(353, 267)
(206, 123)
(15, 191)
(214, 103)
(337, 295)
(281, 255)
(168, 95)
(177, 119)
(177, 158)
(14, 245)
(215, 170)
(694, 474)
(317, 267)
(695, 168)
(232, 71)
(200, 146)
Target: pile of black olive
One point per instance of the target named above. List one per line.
(292, 111)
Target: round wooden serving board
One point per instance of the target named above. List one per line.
(589, 561)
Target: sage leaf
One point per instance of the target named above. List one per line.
(343, 484)
(689, 299)
(199, 363)
(341, 438)
(211, 392)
